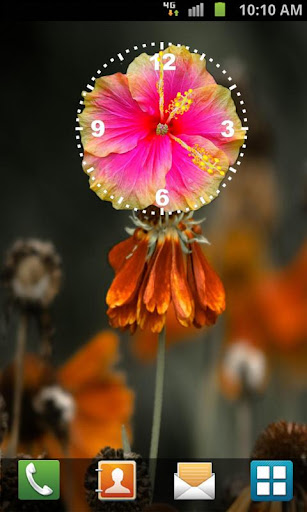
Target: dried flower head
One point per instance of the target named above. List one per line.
(45, 405)
(162, 263)
(32, 273)
(280, 441)
(59, 405)
(143, 483)
(287, 441)
(56, 409)
(243, 370)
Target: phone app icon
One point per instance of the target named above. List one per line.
(38, 479)
(116, 480)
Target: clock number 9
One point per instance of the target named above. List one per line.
(229, 132)
(162, 198)
(98, 128)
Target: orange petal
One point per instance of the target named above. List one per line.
(157, 293)
(209, 286)
(200, 317)
(118, 254)
(88, 436)
(126, 282)
(91, 363)
(145, 342)
(105, 402)
(181, 294)
(152, 321)
(124, 316)
(145, 319)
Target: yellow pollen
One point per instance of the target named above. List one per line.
(160, 86)
(201, 157)
(179, 105)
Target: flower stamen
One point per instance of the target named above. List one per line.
(160, 86)
(179, 105)
(162, 129)
(201, 157)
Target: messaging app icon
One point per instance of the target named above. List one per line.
(38, 479)
(194, 481)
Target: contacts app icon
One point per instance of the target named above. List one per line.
(116, 480)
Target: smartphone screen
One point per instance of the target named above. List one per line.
(153, 253)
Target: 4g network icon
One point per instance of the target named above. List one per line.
(171, 7)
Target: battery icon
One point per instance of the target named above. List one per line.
(220, 9)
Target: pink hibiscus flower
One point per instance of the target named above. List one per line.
(163, 130)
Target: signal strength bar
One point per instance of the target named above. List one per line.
(197, 11)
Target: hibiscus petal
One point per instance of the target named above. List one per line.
(211, 106)
(134, 177)
(186, 182)
(125, 123)
(190, 73)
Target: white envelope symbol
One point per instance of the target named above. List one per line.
(184, 491)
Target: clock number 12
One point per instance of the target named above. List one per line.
(168, 66)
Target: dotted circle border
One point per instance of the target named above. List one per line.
(232, 87)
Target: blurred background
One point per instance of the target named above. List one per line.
(225, 384)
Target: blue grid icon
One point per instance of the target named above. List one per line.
(271, 480)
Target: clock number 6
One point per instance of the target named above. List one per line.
(162, 198)
(229, 132)
(98, 128)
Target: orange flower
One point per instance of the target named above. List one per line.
(74, 410)
(282, 304)
(162, 263)
(90, 398)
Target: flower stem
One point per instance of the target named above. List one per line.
(157, 413)
(244, 426)
(125, 441)
(18, 388)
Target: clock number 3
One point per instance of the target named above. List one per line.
(168, 66)
(229, 132)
